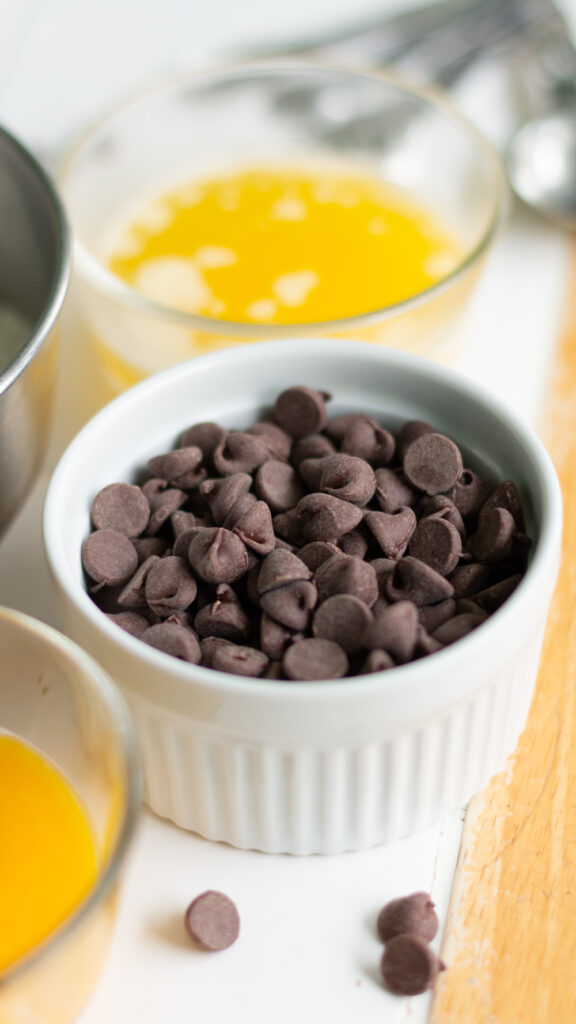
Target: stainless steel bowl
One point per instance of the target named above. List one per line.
(34, 274)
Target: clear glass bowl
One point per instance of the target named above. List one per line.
(288, 115)
(55, 697)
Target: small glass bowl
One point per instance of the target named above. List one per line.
(288, 116)
(56, 698)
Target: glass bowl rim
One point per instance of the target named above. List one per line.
(112, 287)
(101, 683)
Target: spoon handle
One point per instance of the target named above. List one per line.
(547, 64)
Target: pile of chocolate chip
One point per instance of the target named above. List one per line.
(406, 926)
(305, 547)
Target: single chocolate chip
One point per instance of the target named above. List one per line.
(300, 411)
(239, 660)
(415, 581)
(121, 507)
(458, 626)
(470, 579)
(109, 557)
(344, 619)
(133, 594)
(409, 966)
(212, 921)
(383, 567)
(152, 488)
(324, 517)
(356, 542)
(218, 555)
(311, 470)
(337, 426)
(130, 622)
(393, 491)
(205, 436)
(394, 629)
(278, 485)
(239, 508)
(392, 531)
(346, 477)
(346, 574)
(493, 597)
(315, 446)
(169, 586)
(255, 529)
(224, 617)
(291, 604)
(494, 538)
(441, 507)
(281, 567)
(222, 494)
(279, 443)
(275, 638)
(240, 453)
(377, 661)
(506, 496)
(426, 644)
(366, 439)
(409, 432)
(315, 659)
(412, 914)
(437, 543)
(317, 552)
(146, 546)
(433, 615)
(172, 639)
(288, 527)
(432, 462)
(179, 466)
(470, 493)
(208, 645)
(181, 521)
(163, 505)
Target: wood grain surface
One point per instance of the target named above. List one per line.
(510, 939)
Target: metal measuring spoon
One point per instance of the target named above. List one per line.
(541, 156)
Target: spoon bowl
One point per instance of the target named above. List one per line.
(541, 165)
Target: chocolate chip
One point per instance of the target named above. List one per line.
(432, 463)
(377, 661)
(212, 921)
(414, 914)
(169, 586)
(409, 967)
(300, 411)
(367, 440)
(239, 660)
(433, 615)
(393, 491)
(278, 442)
(109, 557)
(356, 542)
(315, 446)
(470, 579)
(240, 453)
(409, 432)
(222, 494)
(344, 619)
(288, 526)
(291, 604)
(278, 485)
(281, 567)
(506, 496)
(315, 659)
(147, 546)
(172, 639)
(493, 597)
(239, 508)
(208, 647)
(494, 537)
(121, 507)
(437, 543)
(218, 555)
(255, 529)
(458, 627)
(133, 594)
(180, 466)
(346, 574)
(441, 507)
(275, 638)
(130, 622)
(393, 531)
(323, 517)
(205, 436)
(163, 505)
(394, 629)
(347, 477)
(469, 493)
(415, 581)
(224, 617)
(317, 552)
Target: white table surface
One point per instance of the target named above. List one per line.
(307, 949)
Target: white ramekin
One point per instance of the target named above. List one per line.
(314, 767)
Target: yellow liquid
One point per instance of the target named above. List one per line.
(283, 246)
(47, 850)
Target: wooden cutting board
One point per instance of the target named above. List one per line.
(510, 939)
